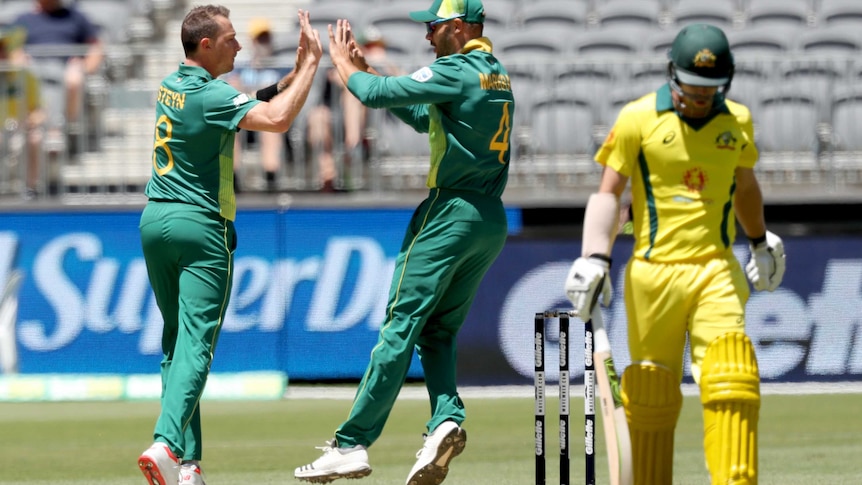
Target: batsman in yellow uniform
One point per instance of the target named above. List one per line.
(689, 152)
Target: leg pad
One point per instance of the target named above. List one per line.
(730, 394)
(652, 400)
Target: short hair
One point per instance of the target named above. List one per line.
(200, 23)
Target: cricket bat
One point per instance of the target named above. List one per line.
(613, 414)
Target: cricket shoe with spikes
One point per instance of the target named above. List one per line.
(432, 461)
(159, 465)
(335, 463)
(191, 474)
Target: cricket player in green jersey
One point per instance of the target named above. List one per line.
(187, 227)
(690, 154)
(464, 102)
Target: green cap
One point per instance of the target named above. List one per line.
(472, 11)
(701, 56)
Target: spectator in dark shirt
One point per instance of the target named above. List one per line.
(63, 71)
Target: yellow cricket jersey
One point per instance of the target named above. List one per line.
(19, 94)
(682, 174)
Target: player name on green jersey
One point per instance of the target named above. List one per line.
(494, 82)
(171, 99)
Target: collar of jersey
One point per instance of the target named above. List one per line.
(480, 44)
(195, 71)
(664, 101)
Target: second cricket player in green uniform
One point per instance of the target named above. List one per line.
(464, 102)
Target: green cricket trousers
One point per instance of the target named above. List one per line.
(452, 240)
(189, 256)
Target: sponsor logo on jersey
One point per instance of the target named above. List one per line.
(241, 99)
(422, 75)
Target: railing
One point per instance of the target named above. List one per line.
(806, 110)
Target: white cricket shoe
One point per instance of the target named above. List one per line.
(432, 461)
(159, 465)
(191, 474)
(335, 463)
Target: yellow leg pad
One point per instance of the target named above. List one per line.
(730, 394)
(652, 400)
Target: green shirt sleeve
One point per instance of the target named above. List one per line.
(408, 96)
(224, 106)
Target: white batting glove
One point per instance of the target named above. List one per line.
(766, 267)
(586, 278)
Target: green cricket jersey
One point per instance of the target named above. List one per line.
(464, 102)
(196, 121)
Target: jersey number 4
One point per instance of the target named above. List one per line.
(500, 141)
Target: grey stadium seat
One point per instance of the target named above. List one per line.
(846, 120)
(794, 13)
(839, 12)
(562, 124)
(786, 120)
(720, 14)
(554, 14)
(640, 13)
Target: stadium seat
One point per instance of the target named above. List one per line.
(500, 14)
(640, 13)
(533, 45)
(846, 122)
(11, 9)
(795, 13)
(816, 76)
(831, 41)
(329, 11)
(615, 101)
(749, 79)
(657, 43)
(766, 42)
(648, 76)
(786, 119)
(835, 12)
(554, 14)
(720, 14)
(591, 80)
(111, 16)
(609, 42)
(562, 124)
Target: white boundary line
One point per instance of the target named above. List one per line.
(417, 391)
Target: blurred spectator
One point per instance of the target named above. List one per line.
(259, 72)
(53, 25)
(21, 112)
(327, 124)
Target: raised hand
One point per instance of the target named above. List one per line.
(310, 49)
(341, 43)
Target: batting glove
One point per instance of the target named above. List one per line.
(766, 267)
(587, 277)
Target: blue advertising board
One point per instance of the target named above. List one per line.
(311, 287)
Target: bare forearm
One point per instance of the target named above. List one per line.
(293, 90)
(345, 69)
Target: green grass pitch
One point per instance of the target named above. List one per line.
(804, 439)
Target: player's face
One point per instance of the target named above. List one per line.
(226, 46)
(440, 35)
(695, 101)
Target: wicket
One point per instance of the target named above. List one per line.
(565, 398)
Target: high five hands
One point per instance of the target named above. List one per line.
(310, 50)
(344, 51)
